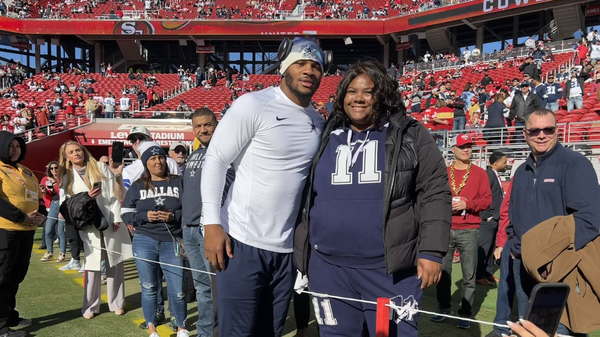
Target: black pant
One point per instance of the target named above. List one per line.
(485, 253)
(15, 252)
(301, 310)
(74, 241)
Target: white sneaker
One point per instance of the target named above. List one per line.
(82, 269)
(67, 266)
(76, 265)
(183, 333)
(155, 334)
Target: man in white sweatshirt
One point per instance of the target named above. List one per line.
(270, 136)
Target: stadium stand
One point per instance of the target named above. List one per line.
(223, 9)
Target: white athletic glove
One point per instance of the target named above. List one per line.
(545, 96)
(301, 283)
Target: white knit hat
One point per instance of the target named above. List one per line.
(303, 49)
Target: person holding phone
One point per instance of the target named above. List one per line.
(55, 224)
(527, 329)
(553, 181)
(19, 218)
(153, 206)
(81, 173)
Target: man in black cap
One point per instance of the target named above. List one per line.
(529, 67)
(524, 103)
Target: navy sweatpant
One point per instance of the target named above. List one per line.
(345, 318)
(254, 292)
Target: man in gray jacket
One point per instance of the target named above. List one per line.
(204, 123)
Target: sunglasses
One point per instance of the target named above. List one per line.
(549, 131)
(180, 150)
(54, 168)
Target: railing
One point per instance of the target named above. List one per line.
(518, 52)
(583, 137)
(139, 14)
(170, 115)
(54, 128)
(166, 95)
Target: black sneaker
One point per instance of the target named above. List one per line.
(438, 318)
(160, 317)
(41, 247)
(13, 333)
(22, 323)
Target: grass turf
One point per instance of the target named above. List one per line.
(53, 298)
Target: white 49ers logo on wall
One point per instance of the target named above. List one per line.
(134, 28)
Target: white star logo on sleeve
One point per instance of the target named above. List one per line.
(192, 173)
(159, 201)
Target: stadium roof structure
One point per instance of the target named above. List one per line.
(470, 12)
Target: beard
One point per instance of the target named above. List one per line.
(289, 82)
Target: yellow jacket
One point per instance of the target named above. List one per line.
(20, 187)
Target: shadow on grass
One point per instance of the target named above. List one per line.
(55, 319)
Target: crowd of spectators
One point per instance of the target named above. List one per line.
(488, 103)
(218, 9)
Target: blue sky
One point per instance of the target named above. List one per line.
(487, 48)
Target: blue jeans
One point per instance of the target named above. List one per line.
(150, 249)
(552, 106)
(575, 103)
(194, 247)
(109, 114)
(459, 123)
(55, 227)
(509, 270)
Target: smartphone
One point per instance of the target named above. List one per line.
(97, 185)
(159, 208)
(546, 305)
(117, 152)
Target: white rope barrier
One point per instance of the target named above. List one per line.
(400, 310)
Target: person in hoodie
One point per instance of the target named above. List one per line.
(19, 218)
(375, 168)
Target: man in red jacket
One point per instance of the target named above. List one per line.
(470, 195)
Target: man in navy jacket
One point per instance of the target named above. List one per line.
(553, 181)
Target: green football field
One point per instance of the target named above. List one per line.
(53, 298)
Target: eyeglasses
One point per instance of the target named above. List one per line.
(549, 131)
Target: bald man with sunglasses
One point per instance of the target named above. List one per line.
(553, 181)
